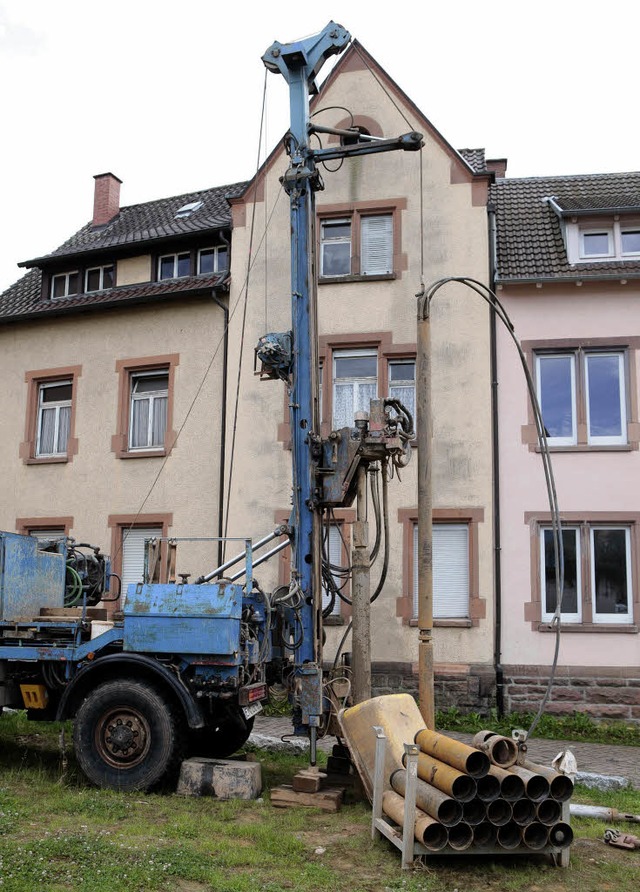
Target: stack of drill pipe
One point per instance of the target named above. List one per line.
(479, 797)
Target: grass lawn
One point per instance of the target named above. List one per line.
(57, 833)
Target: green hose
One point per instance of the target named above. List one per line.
(71, 597)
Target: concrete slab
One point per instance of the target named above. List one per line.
(222, 778)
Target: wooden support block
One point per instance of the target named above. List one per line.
(308, 780)
(285, 796)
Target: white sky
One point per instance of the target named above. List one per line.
(168, 95)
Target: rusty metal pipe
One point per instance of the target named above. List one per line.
(536, 786)
(535, 836)
(459, 755)
(502, 751)
(523, 811)
(560, 786)
(509, 836)
(474, 812)
(499, 812)
(427, 830)
(460, 836)
(549, 812)
(485, 835)
(511, 786)
(452, 782)
(561, 835)
(488, 788)
(429, 799)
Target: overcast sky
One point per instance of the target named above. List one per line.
(168, 95)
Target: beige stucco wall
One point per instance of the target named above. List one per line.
(96, 483)
(587, 481)
(133, 270)
(454, 235)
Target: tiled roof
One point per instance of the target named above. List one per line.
(24, 299)
(530, 243)
(475, 159)
(139, 223)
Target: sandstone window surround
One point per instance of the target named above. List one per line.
(601, 572)
(146, 387)
(44, 527)
(50, 415)
(456, 595)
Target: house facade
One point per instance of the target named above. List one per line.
(568, 274)
(129, 359)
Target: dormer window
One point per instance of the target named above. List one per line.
(595, 243)
(174, 266)
(630, 241)
(99, 277)
(213, 260)
(65, 284)
(592, 240)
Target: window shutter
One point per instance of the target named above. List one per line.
(377, 245)
(450, 570)
(335, 557)
(133, 554)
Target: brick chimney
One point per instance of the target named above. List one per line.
(106, 198)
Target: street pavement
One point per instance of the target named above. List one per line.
(596, 758)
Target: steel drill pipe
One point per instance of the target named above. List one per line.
(535, 836)
(452, 782)
(459, 755)
(460, 836)
(509, 836)
(523, 811)
(511, 786)
(561, 835)
(485, 835)
(536, 786)
(430, 800)
(560, 786)
(549, 812)
(474, 812)
(499, 812)
(502, 751)
(488, 788)
(427, 830)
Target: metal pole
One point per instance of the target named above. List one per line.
(424, 427)
(361, 597)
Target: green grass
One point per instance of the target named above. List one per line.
(57, 834)
(574, 727)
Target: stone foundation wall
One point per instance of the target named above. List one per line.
(468, 688)
(599, 692)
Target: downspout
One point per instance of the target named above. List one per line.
(223, 421)
(497, 562)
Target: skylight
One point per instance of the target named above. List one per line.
(187, 209)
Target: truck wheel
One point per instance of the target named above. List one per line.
(223, 736)
(125, 736)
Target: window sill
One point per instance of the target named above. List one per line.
(334, 280)
(143, 453)
(47, 460)
(590, 627)
(333, 621)
(447, 623)
(585, 447)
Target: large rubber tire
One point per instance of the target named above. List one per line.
(125, 736)
(223, 736)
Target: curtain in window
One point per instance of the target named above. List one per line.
(159, 424)
(349, 398)
(140, 423)
(406, 393)
(46, 445)
(64, 424)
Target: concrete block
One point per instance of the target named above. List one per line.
(604, 782)
(222, 778)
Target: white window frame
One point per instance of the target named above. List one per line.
(151, 396)
(608, 440)
(611, 618)
(566, 617)
(56, 406)
(461, 575)
(356, 382)
(376, 244)
(600, 230)
(66, 277)
(101, 271)
(623, 230)
(614, 229)
(175, 257)
(341, 240)
(572, 439)
(216, 251)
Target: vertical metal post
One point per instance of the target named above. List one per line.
(409, 822)
(378, 778)
(424, 426)
(361, 596)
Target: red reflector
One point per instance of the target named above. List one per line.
(258, 693)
